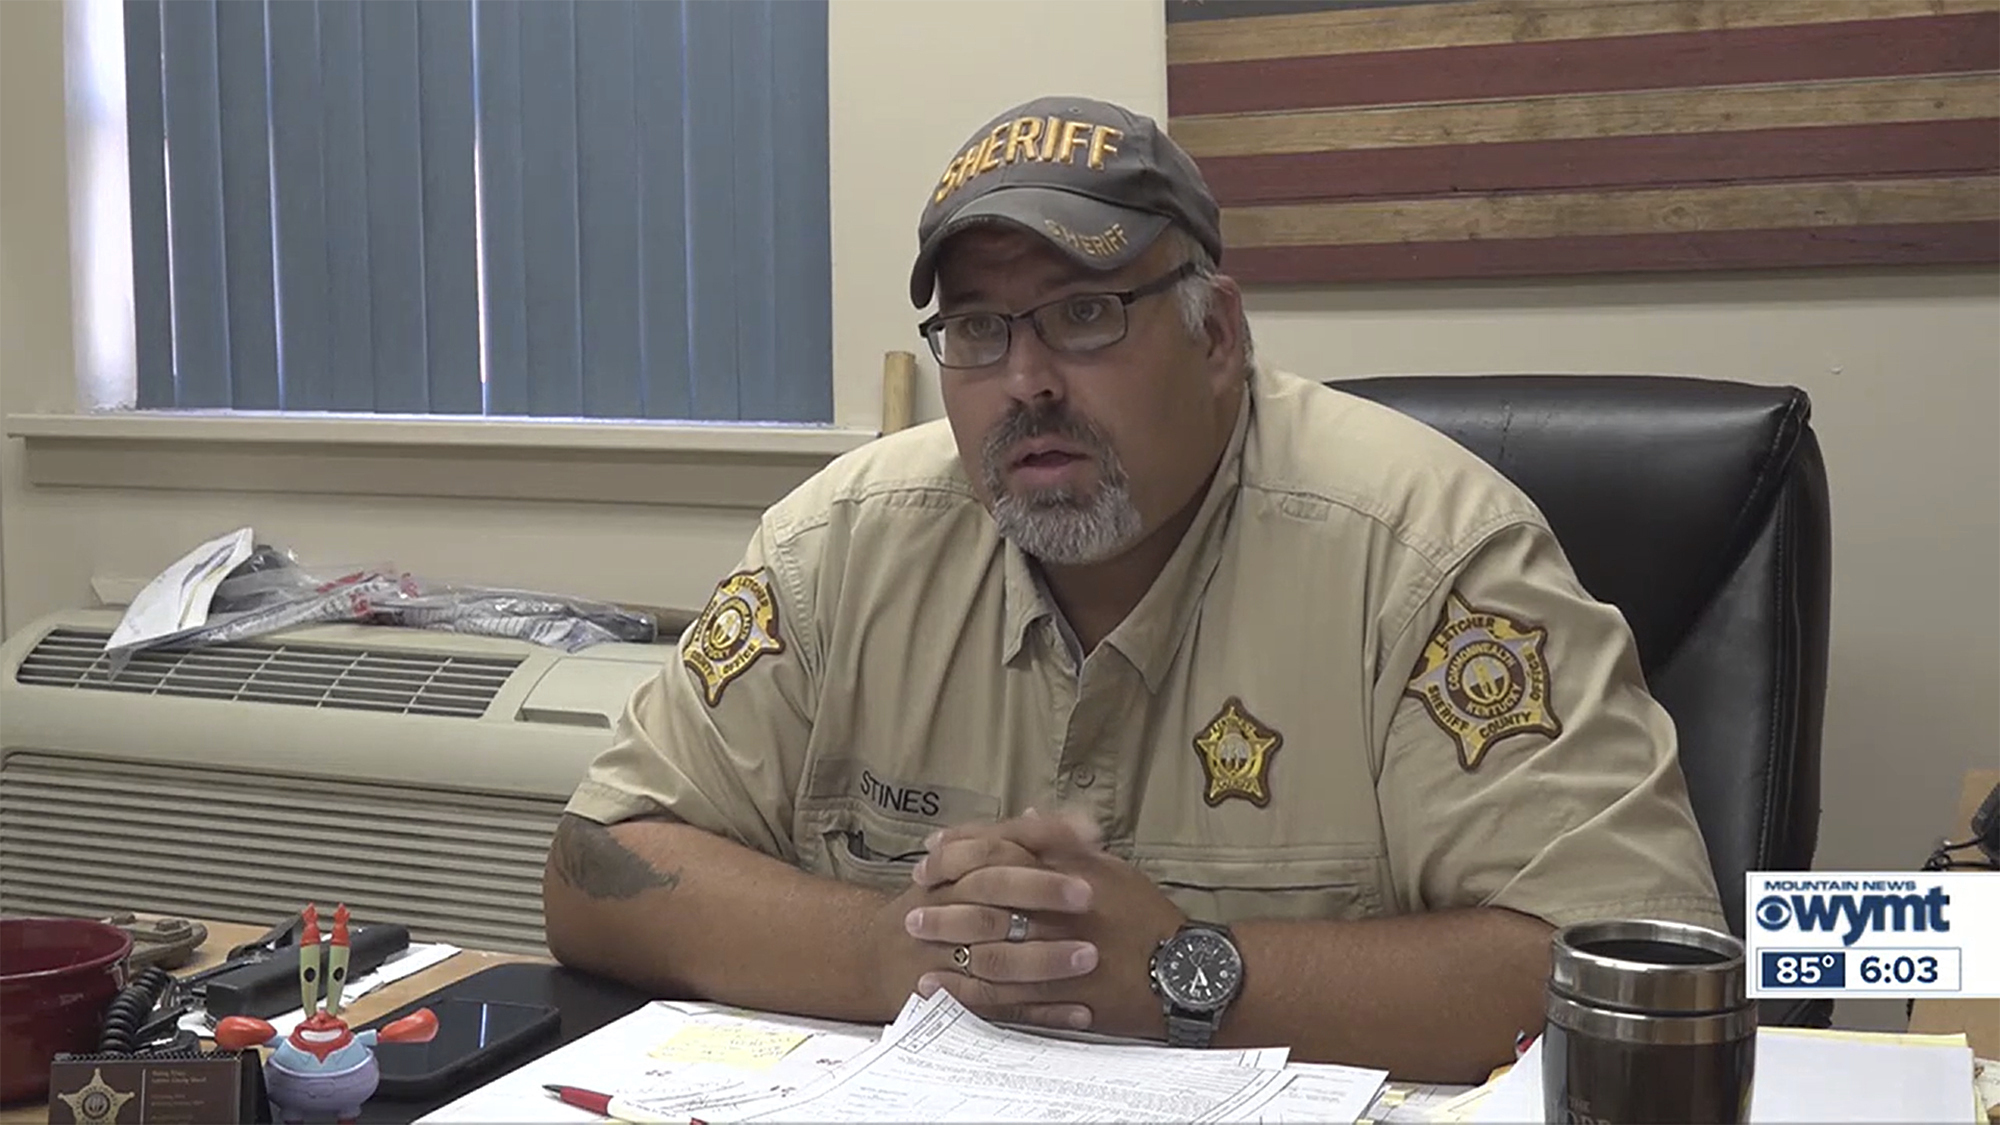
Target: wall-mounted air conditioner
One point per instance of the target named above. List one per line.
(414, 775)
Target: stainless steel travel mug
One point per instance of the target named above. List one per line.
(1647, 1022)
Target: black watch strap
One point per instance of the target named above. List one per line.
(1189, 1031)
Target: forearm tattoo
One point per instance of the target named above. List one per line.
(588, 857)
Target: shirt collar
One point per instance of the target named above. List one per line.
(1021, 596)
(1151, 633)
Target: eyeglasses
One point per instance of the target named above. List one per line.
(1078, 323)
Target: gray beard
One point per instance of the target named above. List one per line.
(1056, 525)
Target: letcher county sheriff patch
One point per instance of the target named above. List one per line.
(1483, 678)
(739, 625)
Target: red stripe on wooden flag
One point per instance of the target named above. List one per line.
(1897, 244)
(1818, 152)
(1793, 53)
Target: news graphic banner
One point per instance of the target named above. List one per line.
(1872, 933)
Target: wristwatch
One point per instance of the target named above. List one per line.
(1197, 974)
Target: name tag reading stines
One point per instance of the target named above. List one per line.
(902, 798)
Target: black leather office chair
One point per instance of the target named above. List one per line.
(1699, 508)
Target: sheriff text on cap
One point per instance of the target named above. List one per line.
(1095, 179)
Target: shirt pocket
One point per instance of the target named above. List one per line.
(1244, 886)
(860, 845)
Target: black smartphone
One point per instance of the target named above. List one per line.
(475, 1039)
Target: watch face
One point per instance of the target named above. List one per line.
(1200, 969)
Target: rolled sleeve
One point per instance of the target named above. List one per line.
(1527, 766)
(718, 738)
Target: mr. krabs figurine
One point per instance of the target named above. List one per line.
(321, 1066)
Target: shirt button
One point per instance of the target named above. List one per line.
(1083, 778)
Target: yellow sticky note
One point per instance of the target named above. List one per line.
(752, 1048)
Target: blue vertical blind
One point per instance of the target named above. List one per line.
(548, 208)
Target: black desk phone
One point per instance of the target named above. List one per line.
(1985, 837)
(1986, 826)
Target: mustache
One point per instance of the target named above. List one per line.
(1022, 424)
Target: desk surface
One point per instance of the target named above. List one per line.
(1978, 1019)
(222, 936)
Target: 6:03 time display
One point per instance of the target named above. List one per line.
(1918, 969)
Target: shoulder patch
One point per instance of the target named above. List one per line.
(1483, 678)
(1236, 751)
(739, 625)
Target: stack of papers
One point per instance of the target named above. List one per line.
(936, 1062)
(701, 1053)
(1801, 1075)
(939, 1062)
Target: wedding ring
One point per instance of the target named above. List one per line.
(1017, 926)
(961, 955)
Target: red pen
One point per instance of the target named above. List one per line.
(581, 1098)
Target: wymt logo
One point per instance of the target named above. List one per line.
(1860, 914)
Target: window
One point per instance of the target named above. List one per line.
(541, 208)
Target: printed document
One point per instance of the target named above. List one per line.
(666, 1057)
(1314, 1092)
(673, 1061)
(942, 1063)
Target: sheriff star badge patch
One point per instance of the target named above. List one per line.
(1236, 751)
(739, 625)
(96, 1102)
(1483, 678)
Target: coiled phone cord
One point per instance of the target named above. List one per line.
(129, 1011)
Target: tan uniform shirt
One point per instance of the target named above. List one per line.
(1366, 683)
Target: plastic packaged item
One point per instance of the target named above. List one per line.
(566, 623)
(272, 600)
(271, 576)
(271, 591)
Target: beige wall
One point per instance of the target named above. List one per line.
(1904, 368)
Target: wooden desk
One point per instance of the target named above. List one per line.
(1978, 1019)
(223, 936)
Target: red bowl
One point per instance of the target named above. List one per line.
(57, 977)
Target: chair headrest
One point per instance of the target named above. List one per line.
(1656, 485)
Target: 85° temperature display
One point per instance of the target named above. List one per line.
(1803, 968)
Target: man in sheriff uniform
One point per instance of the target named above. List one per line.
(1152, 690)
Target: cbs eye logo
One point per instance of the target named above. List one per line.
(1774, 913)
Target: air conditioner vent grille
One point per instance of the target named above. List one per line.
(304, 675)
(83, 835)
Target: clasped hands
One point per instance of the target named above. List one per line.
(1093, 921)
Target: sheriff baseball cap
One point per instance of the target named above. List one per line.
(1095, 179)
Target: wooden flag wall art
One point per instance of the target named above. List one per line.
(1379, 140)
